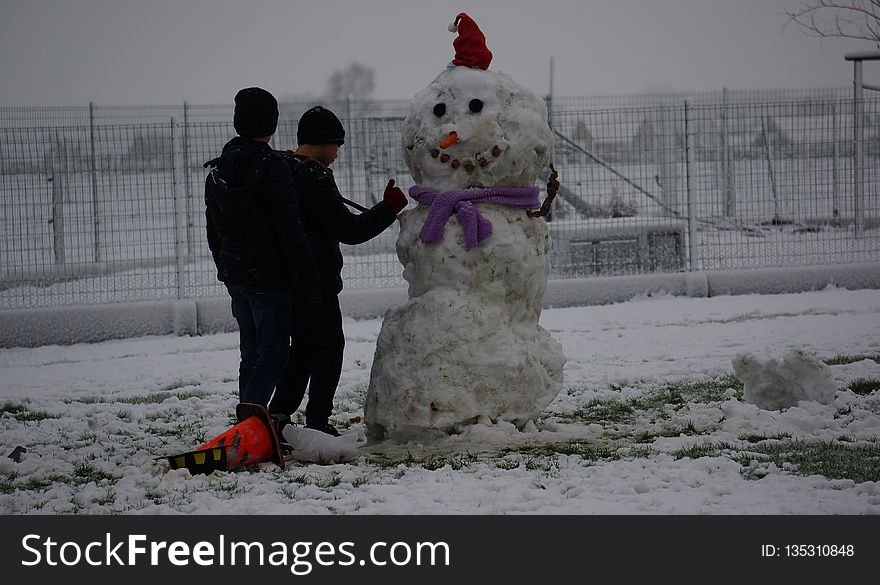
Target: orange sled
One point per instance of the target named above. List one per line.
(253, 440)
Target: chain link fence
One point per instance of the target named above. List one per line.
(105, 204)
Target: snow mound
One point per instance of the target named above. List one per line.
(773, 384)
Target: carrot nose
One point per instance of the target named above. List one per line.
(449, 140)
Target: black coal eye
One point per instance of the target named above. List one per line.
(440, 109)
(476, 106)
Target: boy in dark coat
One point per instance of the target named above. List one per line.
(317, 339)
(257, 241)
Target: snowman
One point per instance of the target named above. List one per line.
(467, 347)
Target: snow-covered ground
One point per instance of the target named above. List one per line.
(650, 421)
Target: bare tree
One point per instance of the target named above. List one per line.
(356, 81)
(848, 19)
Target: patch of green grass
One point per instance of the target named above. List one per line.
(602, 410)
(587, 451)
(152, 398)
(637, 453)
(430, 462)
(704, 450)
(385, 462)
(456, 462)
(648, 437)
(86, 400)
(228, 484)
(157, 397)
(507, 464)
(435, 463)
(34, 416)
(831, 459)
(544, 464)
(7, 483)
(757, 437)
(677, 393)
(12, 409)
(542, 457)
(161, 396)
(87, 437)
(176, 385)
(755, 316)
(583, 450)
(658, 399)
(85, 472)
(21, 413)
(288, 491)
(873, 404)
(183, 430)
(107, 499)
(842, 360)
(45, 482)
(864, 386)
(329, 482)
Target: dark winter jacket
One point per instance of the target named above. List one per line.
(253, 224)
(329, 222)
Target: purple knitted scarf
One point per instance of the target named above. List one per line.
(476, 227)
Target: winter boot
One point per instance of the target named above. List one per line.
(280, 421)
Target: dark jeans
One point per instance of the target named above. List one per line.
(317, 344)
(263, 317)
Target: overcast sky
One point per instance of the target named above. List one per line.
(64, 52)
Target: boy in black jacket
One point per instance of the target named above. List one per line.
(257, 241)
(317, 339)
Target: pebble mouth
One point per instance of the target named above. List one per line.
(483, 160)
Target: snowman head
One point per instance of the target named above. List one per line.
(472, 127)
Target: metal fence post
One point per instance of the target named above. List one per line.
(95, 209)
(859, 134)
(57, 203)
(858, 149)
(179, 210)
(726, 158)
(694, 261)
(835, 167)
(190, 213)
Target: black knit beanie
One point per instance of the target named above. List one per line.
(320, 126)
(256, 113)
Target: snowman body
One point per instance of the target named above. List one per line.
(467, 346)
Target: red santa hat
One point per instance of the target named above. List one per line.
(470, 46)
